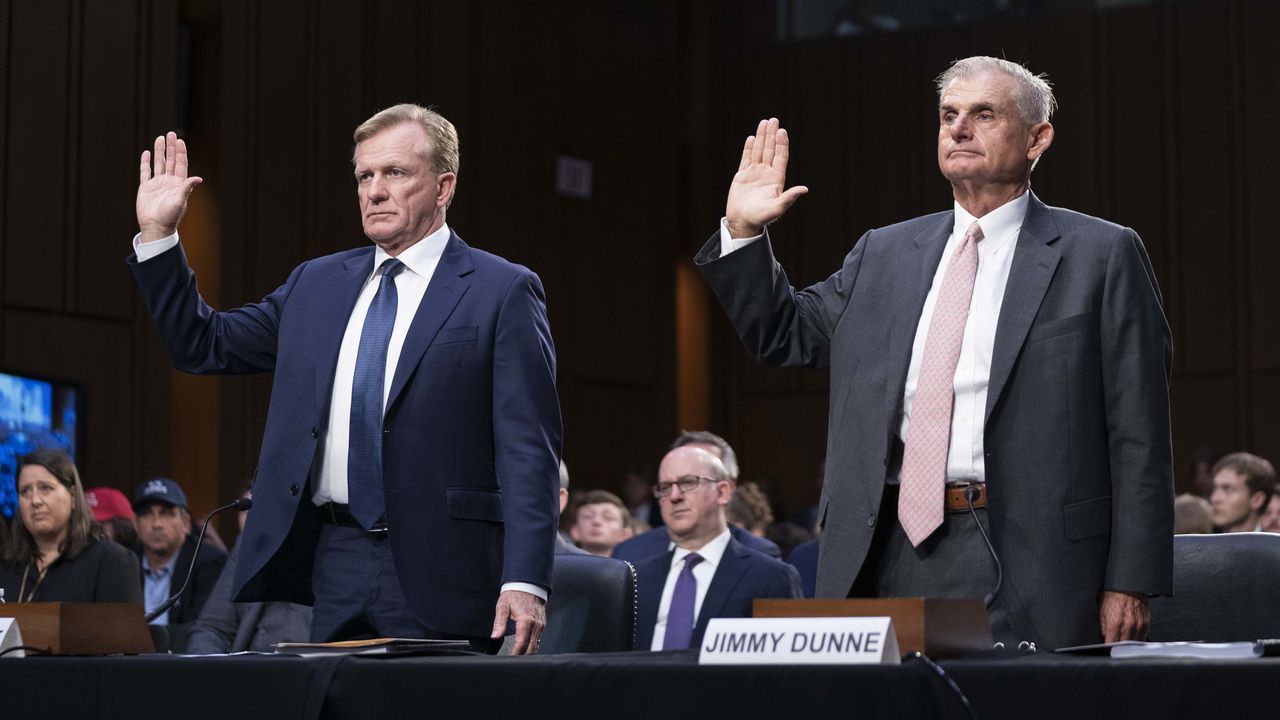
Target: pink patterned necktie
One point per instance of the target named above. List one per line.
(924, 459)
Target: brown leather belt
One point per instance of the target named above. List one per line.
(956, 501)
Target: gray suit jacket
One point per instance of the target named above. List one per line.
(1078, 458)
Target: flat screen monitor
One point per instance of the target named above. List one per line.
(35, 412)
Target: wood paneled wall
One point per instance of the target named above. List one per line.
(1165, 126)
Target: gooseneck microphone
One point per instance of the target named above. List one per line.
(239, 504)
(971, 495)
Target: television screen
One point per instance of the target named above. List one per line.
(34, 413)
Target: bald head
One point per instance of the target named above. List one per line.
(696, 488)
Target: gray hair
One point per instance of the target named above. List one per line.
(444, 155)
(1031, 93)
(703, 437)
(564, 476)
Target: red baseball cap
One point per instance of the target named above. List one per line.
(107, 503)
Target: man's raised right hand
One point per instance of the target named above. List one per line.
(163, 193)
(757, 196)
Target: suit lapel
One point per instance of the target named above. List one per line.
(651, 578)
(448, 285)
(728, 573)
(347, 283)
(1034, 263)
(919, 264)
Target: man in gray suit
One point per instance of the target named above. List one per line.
(1000, 368)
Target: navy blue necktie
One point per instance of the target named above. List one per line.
(364, 451)
(680, 614)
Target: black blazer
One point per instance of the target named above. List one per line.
(203, 578)
(742, 576)
(102, 572)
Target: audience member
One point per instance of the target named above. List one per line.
(749, 509)
(804, 558)
(565, 546)
(709, 573)
(787, 536)
(112, 511)
(656, 541)
(637, 492)
(1271, 518)
(1202, 461)
(1192, 515)
(55, 553)
(600, 522)
(226, 626)
(164, 526)
(1242, 486)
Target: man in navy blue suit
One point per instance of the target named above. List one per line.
(707, 574)
(658, 541)
(409, 466)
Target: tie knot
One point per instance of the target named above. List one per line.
(691, 559)
(391, 267)
(974, 234)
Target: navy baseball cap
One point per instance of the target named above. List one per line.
(161, 490)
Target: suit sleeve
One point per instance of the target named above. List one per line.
(1136, 360)
(527, 433)
(215, 630)
(199, 339)
(207, 571)
(780, 325)
(788, 584)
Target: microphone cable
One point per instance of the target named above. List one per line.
(162, 608)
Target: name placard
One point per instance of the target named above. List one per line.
(800, 641)
(10, 637)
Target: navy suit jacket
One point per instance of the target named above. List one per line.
(657, 541)
(471, 431)
(742, 576)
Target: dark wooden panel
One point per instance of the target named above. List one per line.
(92, 353)
(106, 189)
(1204, 415)
(1262, 146)
(1265, 438)
(1204, 197)
(398, 52)
(781, 445)
(610, 429)
(337, 86)
(36, 156)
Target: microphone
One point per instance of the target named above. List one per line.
(240, 504)
(970, 495)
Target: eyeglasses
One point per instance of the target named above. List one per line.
(687, 484)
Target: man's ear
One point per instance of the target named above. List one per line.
(1041, 139)
(448, 184)
(1258, 501)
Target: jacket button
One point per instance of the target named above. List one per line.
(386, 430)
(293, 489)
(871, 520)
(315, 432)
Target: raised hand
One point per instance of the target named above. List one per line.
(163, 193)
(757, 196)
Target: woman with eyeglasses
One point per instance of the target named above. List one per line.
(55, 553)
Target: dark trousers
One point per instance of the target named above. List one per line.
(358, 594)
(953, 562)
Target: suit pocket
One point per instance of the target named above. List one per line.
(1060, 327)
(453, 336)
(474, 504)
(1087, 519)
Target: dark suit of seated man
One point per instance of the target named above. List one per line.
(708, 573)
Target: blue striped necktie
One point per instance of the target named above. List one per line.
(364, 451)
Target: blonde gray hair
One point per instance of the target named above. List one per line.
(444, 154)
(1031, 93)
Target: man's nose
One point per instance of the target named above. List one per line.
(377, 188)
(961, 128)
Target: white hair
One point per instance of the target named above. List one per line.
(1031, 93)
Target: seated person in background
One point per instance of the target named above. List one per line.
(749, 509)
(164, 525)
(1192, 515)
(111, 510)
(600, 522)
(658, 541)
(708, 574)
(226, 626)
(1242, 486)
(1271, 518)
(565, 546)
(54, 551)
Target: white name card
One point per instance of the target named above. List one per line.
(10, 637)
(800, 641)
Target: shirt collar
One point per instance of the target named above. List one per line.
(421, 256)
(1000, 226)
(711, 552)
(163, 569)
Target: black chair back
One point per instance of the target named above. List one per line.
(1226, 588)
(592, 607)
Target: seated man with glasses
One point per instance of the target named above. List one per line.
(708, 573)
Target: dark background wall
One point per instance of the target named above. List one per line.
(1166, 126)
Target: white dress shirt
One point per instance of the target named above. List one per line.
(329, 476)
(1000, 228)
(703, 572)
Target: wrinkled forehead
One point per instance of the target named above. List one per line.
(981, 88)
(687, 460)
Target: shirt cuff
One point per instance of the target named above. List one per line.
(146, 251)
(728, 243)
(526, 587)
